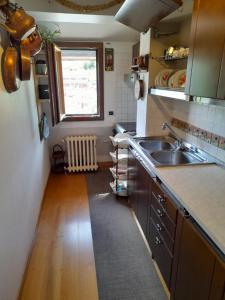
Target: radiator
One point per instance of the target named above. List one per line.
(81, 153)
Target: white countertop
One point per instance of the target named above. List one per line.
(201, 190)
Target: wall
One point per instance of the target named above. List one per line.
(118, 97)
(24, 171)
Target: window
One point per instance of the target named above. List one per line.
(77, 81)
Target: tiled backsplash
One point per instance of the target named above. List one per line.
(209, 118)
(207, 136)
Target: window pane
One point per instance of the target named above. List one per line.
(80, 82)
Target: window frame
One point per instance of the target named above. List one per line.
(98, 47)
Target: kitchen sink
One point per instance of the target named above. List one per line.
(176, 157)
(155, 145)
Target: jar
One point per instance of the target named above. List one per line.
(41, 67)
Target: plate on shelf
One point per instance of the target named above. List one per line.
(162, 77)
(177, 80)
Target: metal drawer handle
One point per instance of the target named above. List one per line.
(158, 241)
(159, 228)
(161, 200)
(160, 214)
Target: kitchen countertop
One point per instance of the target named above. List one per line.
(126, 127)
(200, 189)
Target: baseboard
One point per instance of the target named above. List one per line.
(33, 241)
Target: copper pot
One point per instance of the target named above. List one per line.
(18, 23)
(33, 42)
(10, 69)
(25, 67)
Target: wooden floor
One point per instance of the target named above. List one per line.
(62, 261)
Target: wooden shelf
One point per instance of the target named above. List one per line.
(41, 75)
(44, 100)
(163, 58)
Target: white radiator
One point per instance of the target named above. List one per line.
(81, 153)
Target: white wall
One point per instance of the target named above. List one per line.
(118, 97)
(24, 171)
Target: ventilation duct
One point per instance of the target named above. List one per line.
(142, 14)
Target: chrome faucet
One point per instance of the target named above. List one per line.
(180, 144)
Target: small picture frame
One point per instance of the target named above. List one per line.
(109, 59)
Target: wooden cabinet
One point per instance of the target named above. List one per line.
(187, 259)
(132, 181)
(162, 221)
(218, 282)
(139, 185)
(206, 63)
(199, 276)
(195, 267)
(143, 186)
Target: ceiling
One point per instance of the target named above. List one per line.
(53, 6)
(100, 27)
(86, 27)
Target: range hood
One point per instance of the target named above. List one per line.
(142, 14)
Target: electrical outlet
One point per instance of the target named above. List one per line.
(111, 113)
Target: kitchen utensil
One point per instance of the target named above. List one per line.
(25, 67)
(33, 42)
(10, 69)
(18, 23)
(139, 89)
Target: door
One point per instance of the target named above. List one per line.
(206, 49)
(195, 265)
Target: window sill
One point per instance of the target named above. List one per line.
(74, 118)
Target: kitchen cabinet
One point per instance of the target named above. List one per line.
(143, 186)
(132, 180)
(218, 282)
(190, 264)
(139, 185)
(200, 275)
(162, 228)
(206, 63)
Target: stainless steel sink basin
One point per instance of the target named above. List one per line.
(155, 145)
(176, 157)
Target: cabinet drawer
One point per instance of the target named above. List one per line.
(165, 202)
(160, 253)
(162, 231)
(162, 214)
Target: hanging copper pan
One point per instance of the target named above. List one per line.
(10, 69)
(25, 67)
(33, 42)
(18, 23)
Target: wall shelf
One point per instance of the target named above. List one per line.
(174, 94)
(41, 75)
(163, 58)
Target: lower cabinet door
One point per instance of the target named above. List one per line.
(195, 265)
(218, 282)
(143, 196)
(132, 181)
(160, 253)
